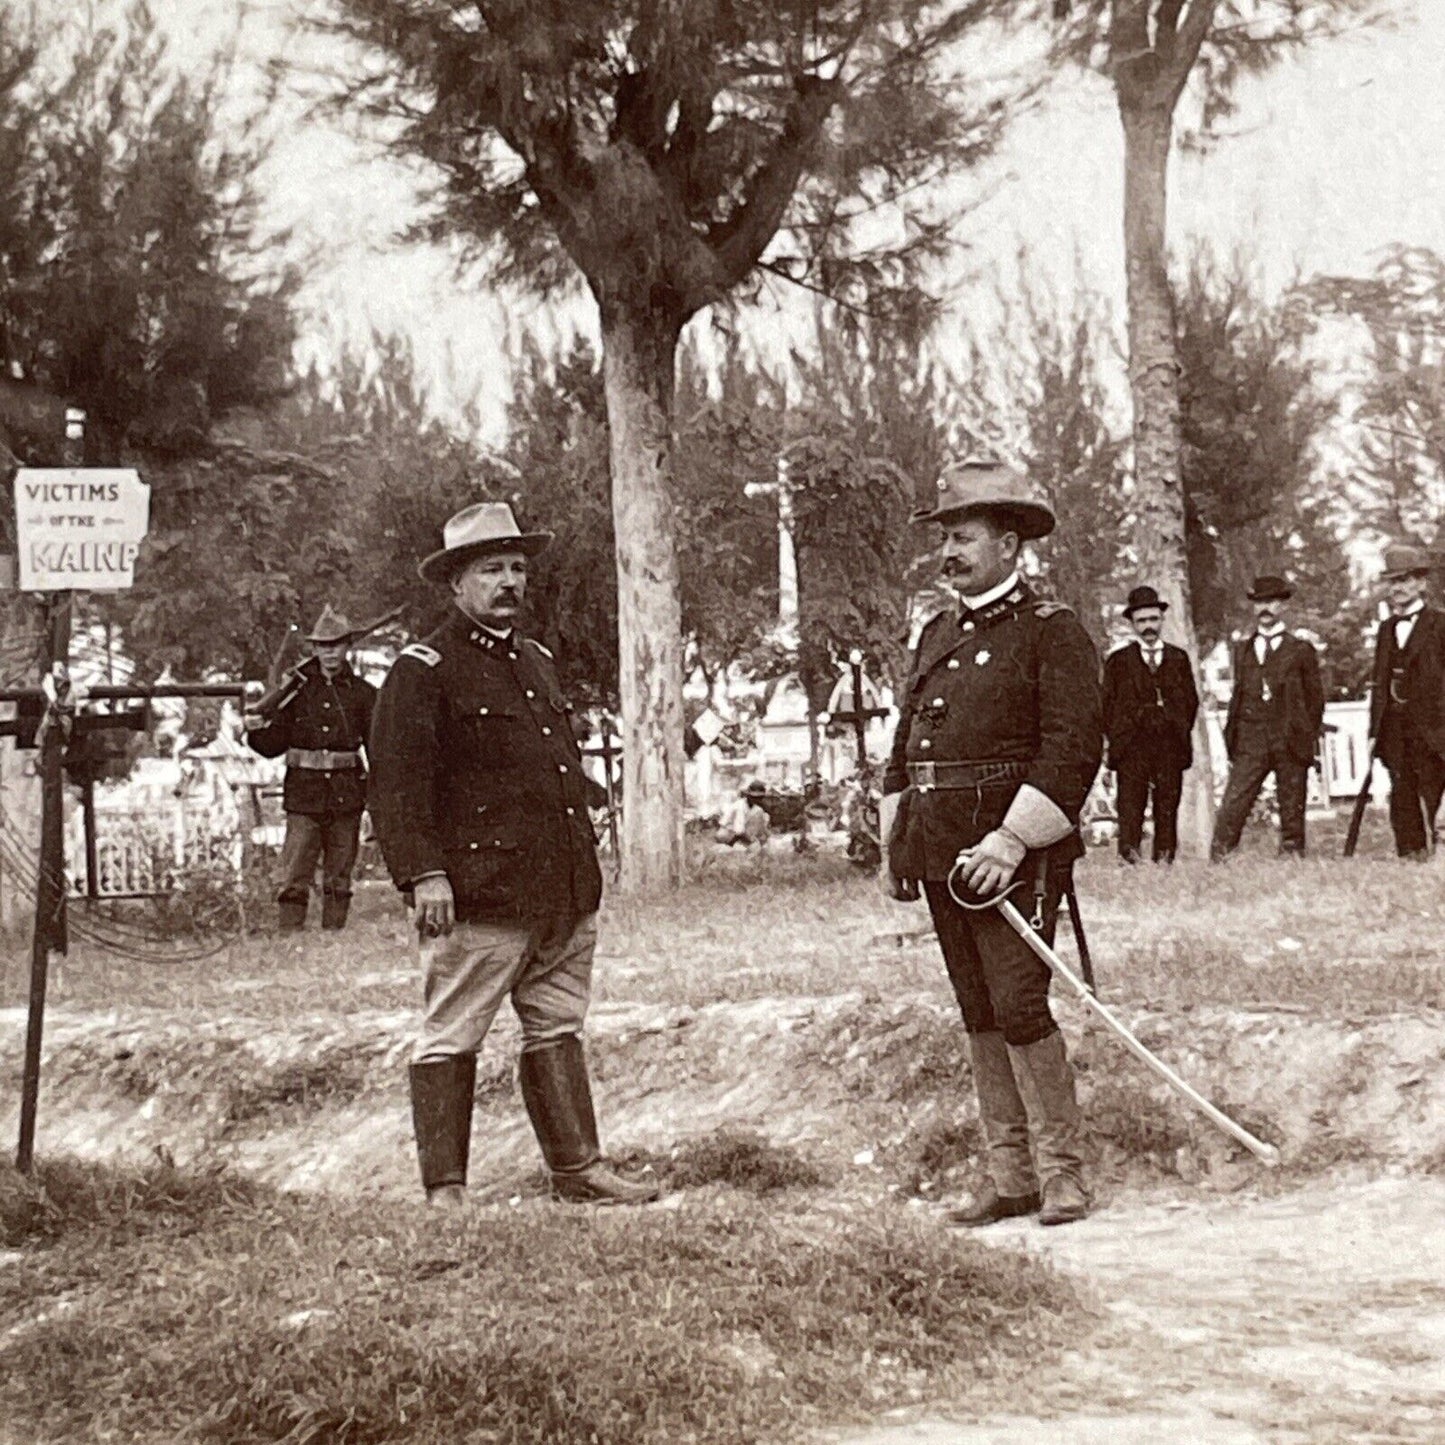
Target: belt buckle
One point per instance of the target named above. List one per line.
(925, 776)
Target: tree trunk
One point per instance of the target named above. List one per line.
(639, 351)
(1154, 384)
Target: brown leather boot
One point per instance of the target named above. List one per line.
(990, 1206)
(1013, 1189)
(441, 1115)
(558, 1096)
(1046, 1082)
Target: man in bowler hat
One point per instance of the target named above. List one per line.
(997, 744)
(1150, 703)
(480, 806)
(1407, 699)
(1273, 722)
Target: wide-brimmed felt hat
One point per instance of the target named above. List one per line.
(331, 626)
(978, 485)
(1142, 597)
(1270, 589)
(1404, 559)
(474, 531)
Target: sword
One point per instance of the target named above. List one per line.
(1267, 1153)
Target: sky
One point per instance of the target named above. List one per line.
(1337, 156)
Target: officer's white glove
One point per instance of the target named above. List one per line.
(435, 910)
(989, 866)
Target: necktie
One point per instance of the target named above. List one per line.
(1153, 656)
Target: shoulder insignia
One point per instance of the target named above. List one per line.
(546, 652)
(422, 653)
(1047, 609)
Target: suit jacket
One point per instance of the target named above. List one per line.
(1148, 711)
(1017, 681)
(332, 717)
(1421, 685)
(1296, 709)
(476, 774)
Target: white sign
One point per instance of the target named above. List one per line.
(79, 528)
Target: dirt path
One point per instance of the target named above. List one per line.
(1319, 1316)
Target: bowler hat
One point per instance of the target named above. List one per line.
(1270, 589)
(474, 531)
(331, 626)
(984, 486)
(1142, 597)
(1404, 559)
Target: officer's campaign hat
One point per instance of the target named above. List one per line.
(331, 626)
(473, 532)
(1403, 559)
(1142, 597)
(1269, 588)
(990, 487)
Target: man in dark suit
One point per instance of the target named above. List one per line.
(1407, 700)
(1273, 723)
(1150, 703)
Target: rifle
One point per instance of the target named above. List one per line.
(281, 692)
(1357, 816)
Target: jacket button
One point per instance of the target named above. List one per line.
(476, 845)
(546, 732)
(561, 767)
(530, 693)
(571, 811)
(968, 627)
(953, 664)
(481, 712)
(937, 702)
(925, 742)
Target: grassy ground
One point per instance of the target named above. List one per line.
(161, 1306)
(1341, 938)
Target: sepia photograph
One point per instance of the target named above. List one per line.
(722, 722)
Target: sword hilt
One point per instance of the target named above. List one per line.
(973, 901)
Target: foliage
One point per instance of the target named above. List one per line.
(1254, 418)
(1034, 388)
(1395, 406)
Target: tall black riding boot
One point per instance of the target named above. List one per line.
(291, 915)
(441, 1115)
(558, 1095)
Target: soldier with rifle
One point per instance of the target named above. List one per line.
(998, 740)
(318, 717)
(1407, 700)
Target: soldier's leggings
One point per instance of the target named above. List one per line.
(1001, 985)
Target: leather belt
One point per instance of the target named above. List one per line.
(322, 759)
(925, 776)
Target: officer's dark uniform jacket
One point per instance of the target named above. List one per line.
(1147, 712)
(1407, 688)
(476, 774)
(322, 732)
(1014, 684)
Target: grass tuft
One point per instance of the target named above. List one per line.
(740, 1160)
(294, 1320)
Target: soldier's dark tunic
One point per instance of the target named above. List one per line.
(999, 697)
(1407, 720)
(476, 774)
(322, 733)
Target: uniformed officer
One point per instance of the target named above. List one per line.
(480, 806)
(998, 742)
(1407, 699)
(321, 728)
(1273, 722)
(1150, 703)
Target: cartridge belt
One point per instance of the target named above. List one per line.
(322, 759)
(926, 776)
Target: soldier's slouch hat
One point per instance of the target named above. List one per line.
(987, 487)
(331, 626)
(473, 532)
